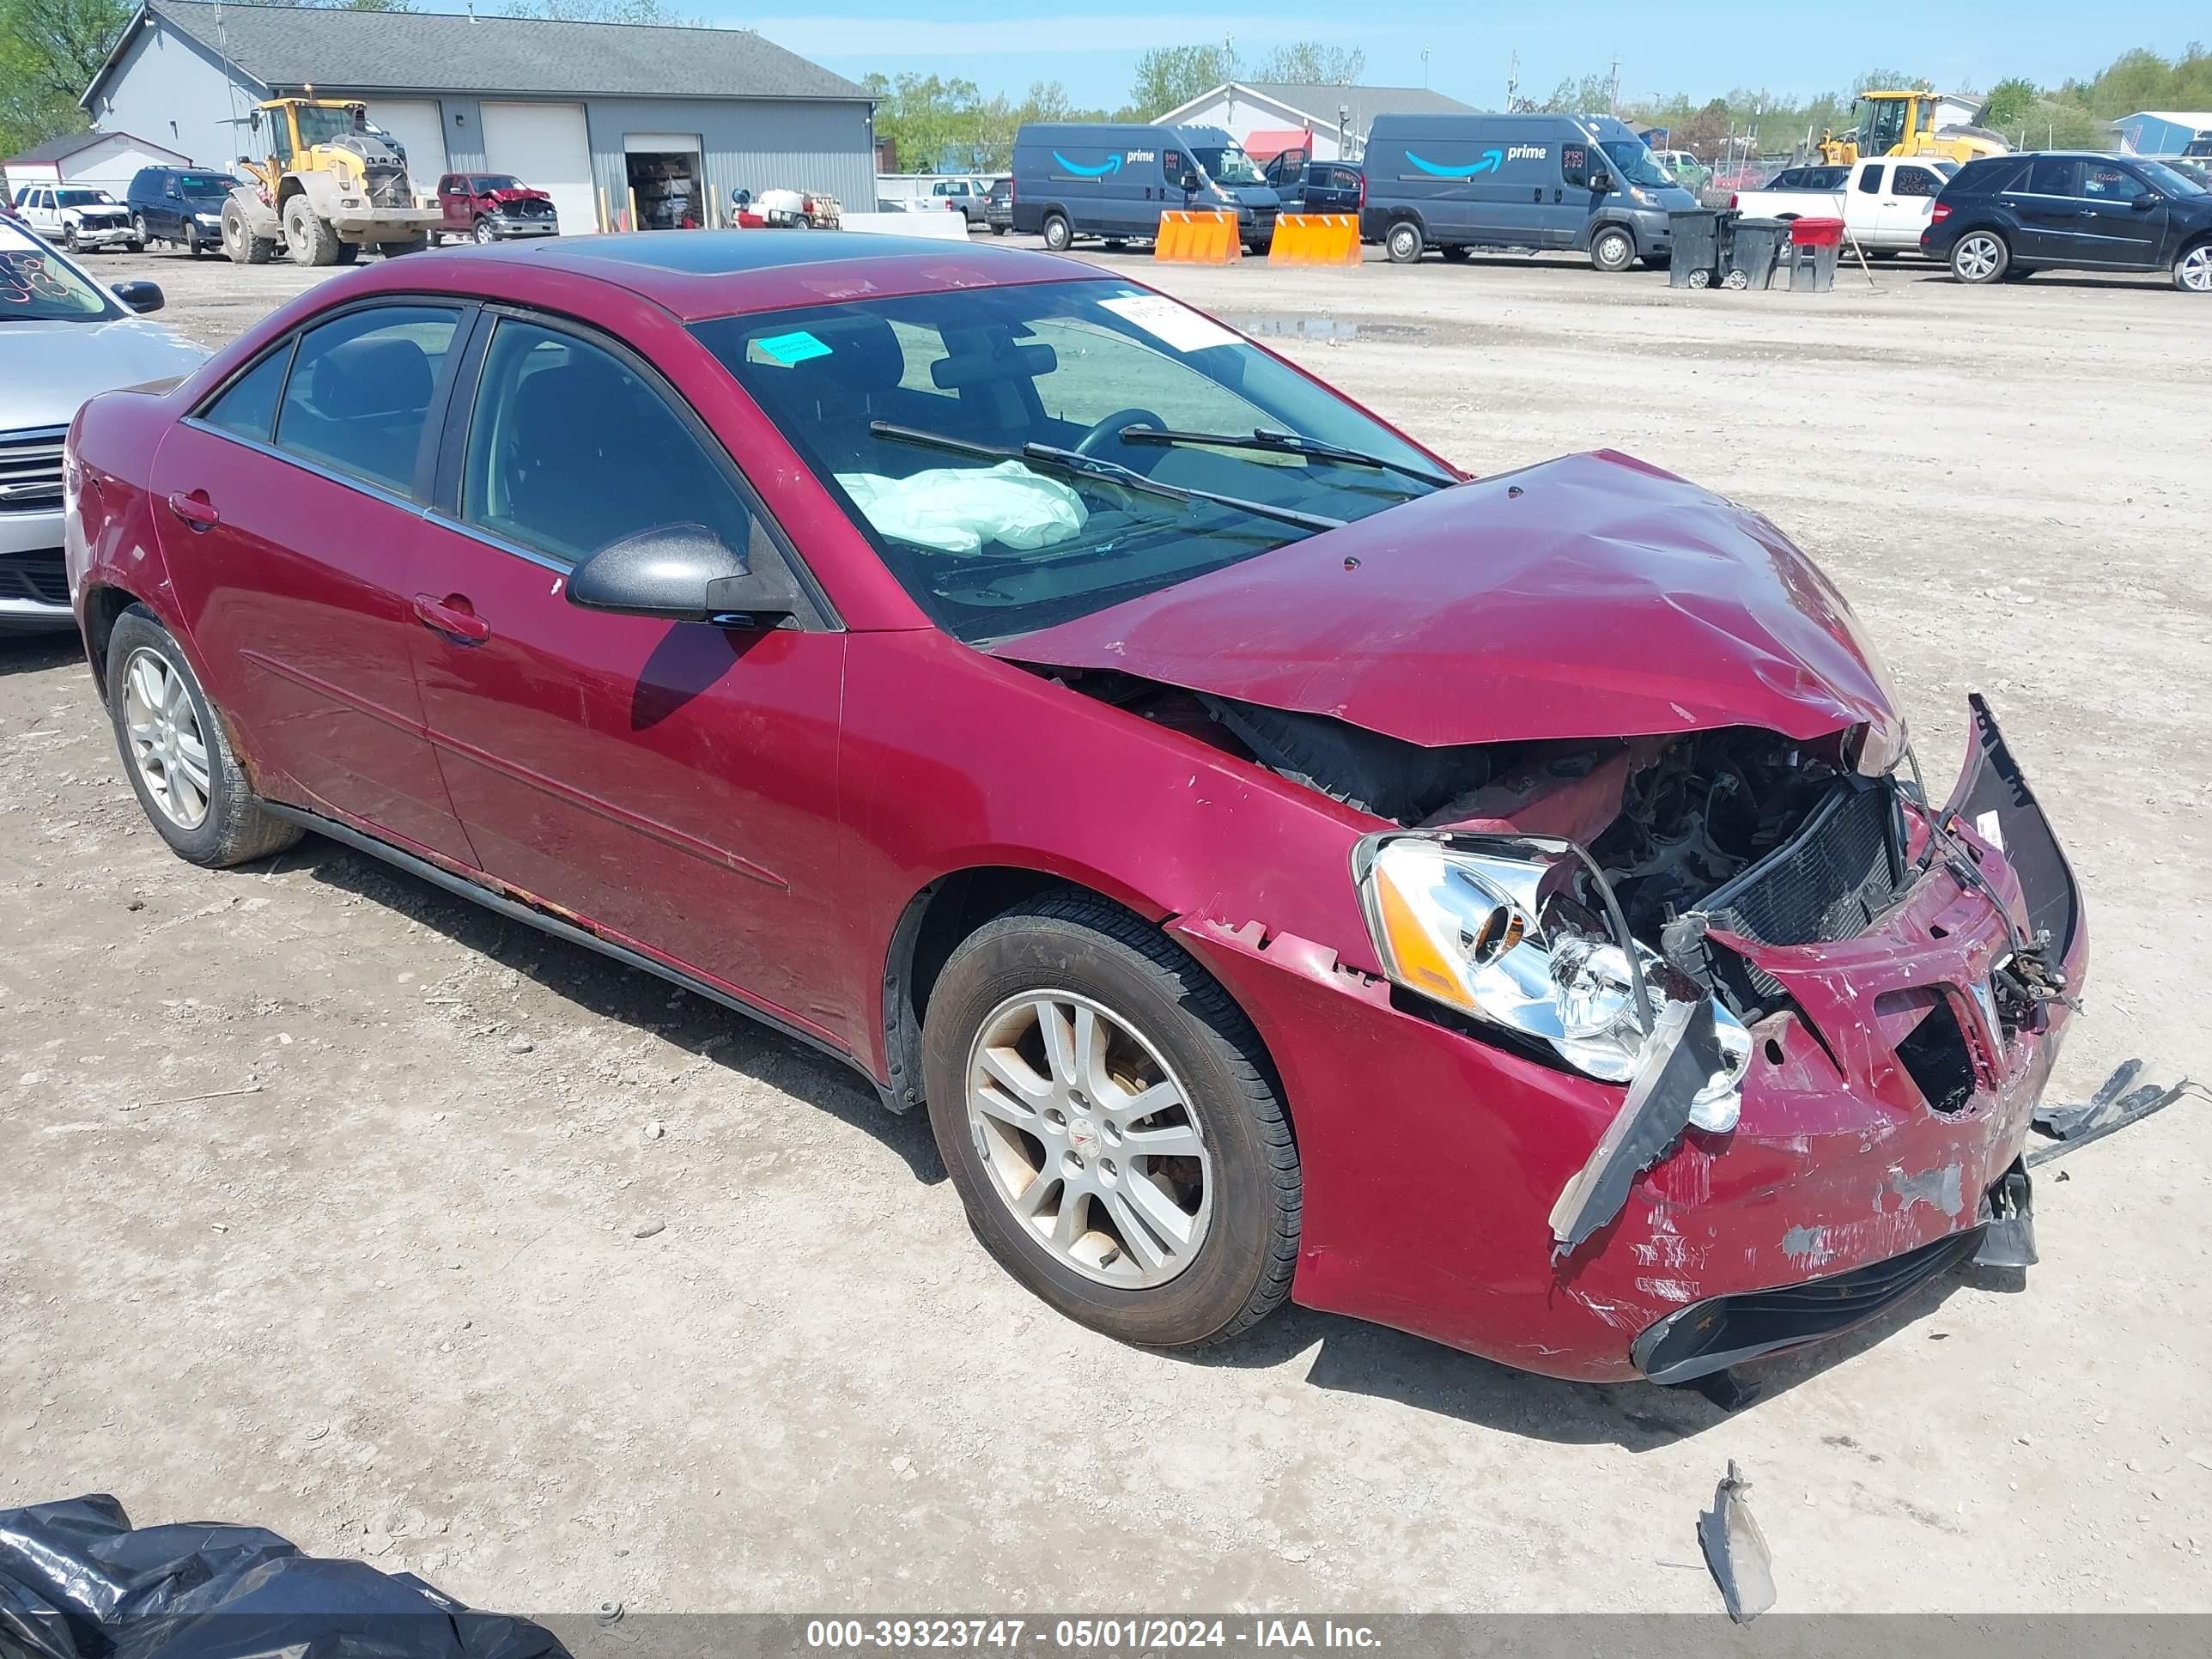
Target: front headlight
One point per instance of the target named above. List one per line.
(1502, 940)
(208, 218)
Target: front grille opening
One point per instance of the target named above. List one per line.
(1934, 1056)
(40, 576)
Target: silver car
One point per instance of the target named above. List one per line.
(63, 338)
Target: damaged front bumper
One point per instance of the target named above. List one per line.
(1885, 1106)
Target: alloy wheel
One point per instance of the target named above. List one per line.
(2195, 270)
(1090, 1139)
(167, 745)
(1977, 258)
(485, 235)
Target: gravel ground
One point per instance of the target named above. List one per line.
(323, 1189)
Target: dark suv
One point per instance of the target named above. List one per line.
(182, 205)
(2003, 217)
(999, 205)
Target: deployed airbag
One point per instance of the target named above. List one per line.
(959, 509)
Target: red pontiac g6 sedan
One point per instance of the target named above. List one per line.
(1507, 909)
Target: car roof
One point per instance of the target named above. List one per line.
(701, 274)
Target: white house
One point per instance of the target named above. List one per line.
(1269, 116)
(95, 161)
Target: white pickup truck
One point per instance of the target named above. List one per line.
(1884, 201)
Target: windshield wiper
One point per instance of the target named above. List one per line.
(1284, 443)
(1091, 467)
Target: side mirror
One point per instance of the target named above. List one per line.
(1188, 181)
(679, 573)
(2147, 200)
(1601, 181)
(141, 297)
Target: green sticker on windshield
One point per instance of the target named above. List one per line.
(794, 347)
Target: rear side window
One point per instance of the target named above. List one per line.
(360, 392)
(248, 405)
(2055, 175)
(1988, 173)
(1870, 181)
(570, 450)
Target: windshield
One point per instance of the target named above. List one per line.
(2173, 181)
(319, 125)
(203, 184)
(1635, 163)
(37, 286)
(84, 198)
(1227, 164)
(1882, 128)
(482, 183)
(992, 545)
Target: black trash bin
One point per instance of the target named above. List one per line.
(1701, 237)
(1753, 251)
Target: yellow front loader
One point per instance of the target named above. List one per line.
(1904, 124)
(325, 185)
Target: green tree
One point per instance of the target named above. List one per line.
(1591, 95)
(934, 125)
(1308, 63)
(1169, 76)
(50, 50)
(2010, 102)
(1891, 81)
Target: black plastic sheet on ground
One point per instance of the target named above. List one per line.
(78, 1581)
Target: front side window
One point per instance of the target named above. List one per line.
(2101, 183)
(1172, 165)
(247, 406)
(570, 450)
(359, 396)
(914, 414)
(1226, 164)
(1918, 181)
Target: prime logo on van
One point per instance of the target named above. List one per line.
(1492, 161)
(1108, 168)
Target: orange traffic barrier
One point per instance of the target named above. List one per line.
(1315, 238)
(1197, 238)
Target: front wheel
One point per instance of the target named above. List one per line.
(1109, 1120)
(69, 239)
(177, 754)
(1403, 243)
(1980, 256)
(1613, 249)
(1057, 233)
(485, 235)
(2192, 272)
(1001, 230)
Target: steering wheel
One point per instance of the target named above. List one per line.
(1114, 425)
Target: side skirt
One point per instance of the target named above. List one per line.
(545, 922)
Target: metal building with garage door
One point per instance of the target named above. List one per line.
(611, 119)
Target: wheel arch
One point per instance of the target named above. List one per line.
(103, 605)
(1602, 222)
(948, 910)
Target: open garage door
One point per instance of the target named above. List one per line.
(545, 145)
(419, 126)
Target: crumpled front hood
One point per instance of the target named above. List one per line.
(53, 366)
(509, 198)
(1591, 596)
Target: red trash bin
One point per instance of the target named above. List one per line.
(1817, 232)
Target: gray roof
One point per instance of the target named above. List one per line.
(59, 150)
(292, 46)
(1366, 103)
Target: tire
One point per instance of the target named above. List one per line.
(2192, 272)
(1403, 242)
(1057, 233)
(485, 235)
(233, 827)
(1171, 1023)
(347, 253)
(69, 239)
(393, 250)
(1612, 249)
(312, 238)
(140, 235)
(238, 241)
(1001, 230)
(1979, 256)
(2017, 274)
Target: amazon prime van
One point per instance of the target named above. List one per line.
(1461, 182)
(1111, 180)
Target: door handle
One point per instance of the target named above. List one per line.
(453, 616)
(195, 509)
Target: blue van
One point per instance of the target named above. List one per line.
(1461, 182)
(1111, 180)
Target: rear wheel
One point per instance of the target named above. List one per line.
(2192, 272)
(1403, 243)
(1057, 233)
(179, 756)
(1613, 249)
(1107, 1117)
(1980, 256)
(393, 250)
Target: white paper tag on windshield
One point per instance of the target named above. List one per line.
(1174, 325)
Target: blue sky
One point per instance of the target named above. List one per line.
(1092, 48)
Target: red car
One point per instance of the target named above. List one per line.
(494, 207)
(1505, 909)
